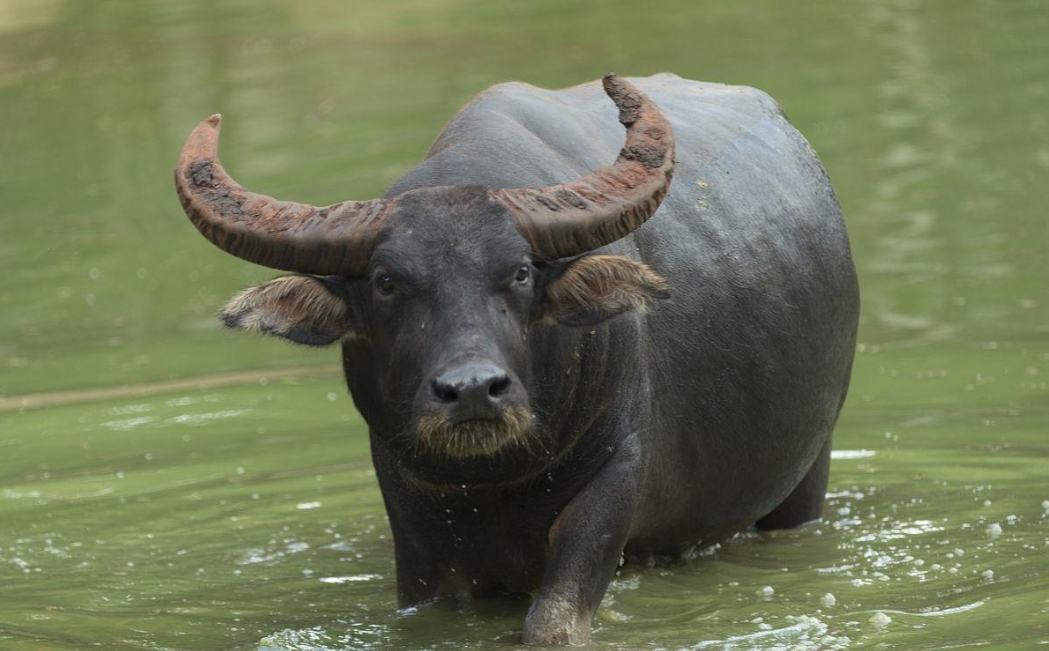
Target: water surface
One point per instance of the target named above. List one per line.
(165, 484)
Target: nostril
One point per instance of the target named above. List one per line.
(444, 393)
(499, 387)
(472, 390)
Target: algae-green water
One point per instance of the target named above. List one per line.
(166, 484)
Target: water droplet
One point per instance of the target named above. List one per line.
(880, 619)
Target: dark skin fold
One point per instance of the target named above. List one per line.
(680, 384)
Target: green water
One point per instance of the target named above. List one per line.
(243, 513)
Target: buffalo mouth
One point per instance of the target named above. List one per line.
(476, 438)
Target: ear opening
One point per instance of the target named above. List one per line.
(302, 309)
(591, 289)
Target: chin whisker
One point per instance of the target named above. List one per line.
(475, 438)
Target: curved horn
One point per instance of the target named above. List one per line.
(336, 239)
(573, 218)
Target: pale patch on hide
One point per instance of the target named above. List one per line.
(475, 438)
(294, 307)
(600, 286)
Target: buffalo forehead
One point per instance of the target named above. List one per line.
(452, 228)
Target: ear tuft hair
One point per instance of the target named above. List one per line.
(299, 308)
(594, 288)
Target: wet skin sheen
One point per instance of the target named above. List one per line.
(652, 431)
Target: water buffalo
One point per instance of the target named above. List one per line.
(554, 373)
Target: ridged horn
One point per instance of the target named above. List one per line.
(569, 219)
(336, 239)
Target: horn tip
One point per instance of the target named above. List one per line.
(627, 99)
(214, 120)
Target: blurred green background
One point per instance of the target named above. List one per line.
(165, 484)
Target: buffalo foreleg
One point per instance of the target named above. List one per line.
(585, 545)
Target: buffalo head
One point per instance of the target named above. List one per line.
(438, 293)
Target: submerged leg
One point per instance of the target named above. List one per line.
(586, 541)
(806, 501)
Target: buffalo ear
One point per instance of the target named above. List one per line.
(590, 289)
(300, 308)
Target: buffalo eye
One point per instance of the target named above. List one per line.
(524, 274)
(384, 284)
